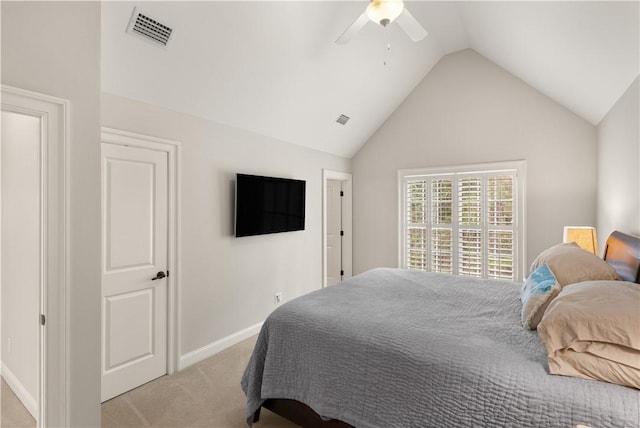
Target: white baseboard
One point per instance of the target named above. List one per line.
(29, 402)
(213, 348)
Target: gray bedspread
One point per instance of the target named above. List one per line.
(399, 348)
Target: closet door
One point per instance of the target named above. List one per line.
(134, 284)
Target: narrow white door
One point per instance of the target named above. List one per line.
(134, 286)
(334, 227)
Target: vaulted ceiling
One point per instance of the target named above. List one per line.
(273, 67)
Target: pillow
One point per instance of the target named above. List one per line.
(570, 264)
(592, 330)
(536, 294)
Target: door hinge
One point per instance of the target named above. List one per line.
(342, 233)
(341, 193)
(341, 273)
(167, 274)
(43, 319)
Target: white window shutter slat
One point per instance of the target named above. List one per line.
(470, 252)
(417, 256)
(441, 250)
(500, 254)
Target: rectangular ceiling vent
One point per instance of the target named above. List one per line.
(343, 119)
(148, 28)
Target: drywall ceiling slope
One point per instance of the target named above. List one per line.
(273, 67)
(584, 54)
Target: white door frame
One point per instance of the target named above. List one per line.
(173, 150)
(347, 239)
(53, 388)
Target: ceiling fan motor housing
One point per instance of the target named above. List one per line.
(383, 12)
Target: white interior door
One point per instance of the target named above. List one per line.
(134, 293)
(334, 227)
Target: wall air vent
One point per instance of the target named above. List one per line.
(343, 119)
(149, 29)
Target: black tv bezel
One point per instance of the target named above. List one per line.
(269, 178)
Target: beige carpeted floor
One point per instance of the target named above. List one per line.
(207, 394)
(12, 413)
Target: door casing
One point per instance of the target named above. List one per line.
(53, 394)
(347, 240)
(332, 234)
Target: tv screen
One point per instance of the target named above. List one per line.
(268, 205)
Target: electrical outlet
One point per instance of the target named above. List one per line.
(277, 299)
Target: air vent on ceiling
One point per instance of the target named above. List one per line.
(343, 119)
(148, 28)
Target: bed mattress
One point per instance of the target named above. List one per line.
(400, 348)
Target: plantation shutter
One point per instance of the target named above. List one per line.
(416, 220)
(441, 226)
(470, 227)
(461, 223)
(500, 227)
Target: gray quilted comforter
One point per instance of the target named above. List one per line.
(398, 348)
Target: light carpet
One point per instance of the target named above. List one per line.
(12, 413)
(207, 394)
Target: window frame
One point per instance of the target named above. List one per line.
(517, 168)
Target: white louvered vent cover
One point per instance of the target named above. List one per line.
(148, 28)
(343, 119)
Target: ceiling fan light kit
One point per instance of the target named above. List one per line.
(384, 12)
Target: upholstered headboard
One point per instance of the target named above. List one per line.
(622, 251)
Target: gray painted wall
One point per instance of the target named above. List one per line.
(20, 264)
(619, 167)
(468, 110)
(228, 283)
(54, 48)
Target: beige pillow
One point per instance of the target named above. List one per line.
(592, 330)
(588, 366)
(570, 264)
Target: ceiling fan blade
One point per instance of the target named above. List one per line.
(353, 29)
(411, 26)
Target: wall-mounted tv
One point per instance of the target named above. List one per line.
(268, 205)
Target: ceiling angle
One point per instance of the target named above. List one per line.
(383, 13)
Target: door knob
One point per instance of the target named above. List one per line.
(159, 275)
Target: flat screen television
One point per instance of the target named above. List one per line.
(268, 205)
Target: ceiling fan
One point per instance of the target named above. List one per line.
(384, 12)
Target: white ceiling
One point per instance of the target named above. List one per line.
(272, 67)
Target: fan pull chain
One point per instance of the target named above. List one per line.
(387, 44)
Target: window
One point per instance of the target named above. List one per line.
(463, 220)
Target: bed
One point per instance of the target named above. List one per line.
(400, 348)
